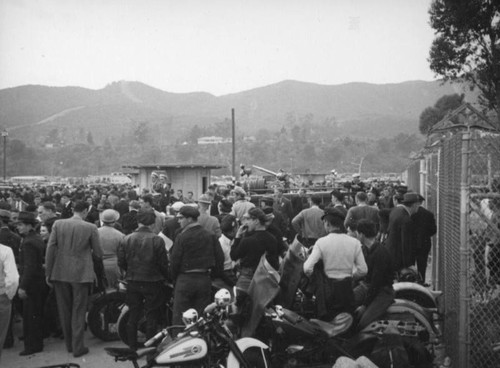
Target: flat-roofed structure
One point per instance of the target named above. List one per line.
(188, 177)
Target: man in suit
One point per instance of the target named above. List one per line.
(67, 205)
(70, 269)
(93, 213)
(425, 228)
(31, 286)
(401, 232)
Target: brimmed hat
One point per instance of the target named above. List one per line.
(189, 211)
(177, 206)
(26, 218)
(5, 215)
(205, 199)
(356, 175)
(410, 198)
(109, 216)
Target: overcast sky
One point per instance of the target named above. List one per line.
(216, 46)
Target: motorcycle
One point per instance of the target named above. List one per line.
(121, 323)
(205, 342)
(298, 342)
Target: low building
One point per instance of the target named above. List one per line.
(188, 177)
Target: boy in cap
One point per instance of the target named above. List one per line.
(195, 256)
(142, 255)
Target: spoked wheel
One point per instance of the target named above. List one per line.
(103, 316)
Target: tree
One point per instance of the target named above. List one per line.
(431, 115)
(467, 45)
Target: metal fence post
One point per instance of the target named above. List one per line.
(463, 329)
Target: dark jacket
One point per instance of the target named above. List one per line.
(10, 239)
(31, 263)
(129, 222)
(380, 270)
(196, 248)
(401, 238)
(143, 256)
(425, 228)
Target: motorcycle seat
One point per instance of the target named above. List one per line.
(129, 354)
(340, 324)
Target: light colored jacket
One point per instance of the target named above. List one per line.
(69, 251)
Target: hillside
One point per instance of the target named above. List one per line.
(358, 109)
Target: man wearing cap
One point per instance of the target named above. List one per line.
(425, 227)
(109, 239)
(70, 269)
(342, 258)
(31, 285)
(401, 232)
(205, 220)
(142, 255)
(308, 223)
(195, 255)
(241, 205)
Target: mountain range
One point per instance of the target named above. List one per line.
(359, 109)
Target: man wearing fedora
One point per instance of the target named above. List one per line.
(401, 240)
(70, 269)
(31, 285)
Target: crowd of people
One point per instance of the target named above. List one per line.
(57, 244)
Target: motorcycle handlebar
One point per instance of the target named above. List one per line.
(155, 338)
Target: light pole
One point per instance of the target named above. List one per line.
(5, 134)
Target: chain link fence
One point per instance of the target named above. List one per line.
(483, 241)
(460, 179)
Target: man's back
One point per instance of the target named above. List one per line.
(69, 250)
(365, 212)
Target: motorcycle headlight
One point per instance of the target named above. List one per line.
(190, 316)
(222, 298)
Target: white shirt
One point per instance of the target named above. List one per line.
(9, 277)
(341, 254)
(225, 244)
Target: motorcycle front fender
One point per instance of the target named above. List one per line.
(422, 295)
(244, 344)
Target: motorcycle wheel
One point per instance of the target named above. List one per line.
(103, 316)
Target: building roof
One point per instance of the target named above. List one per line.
(174, 166)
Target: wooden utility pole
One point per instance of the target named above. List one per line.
(233, 171)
